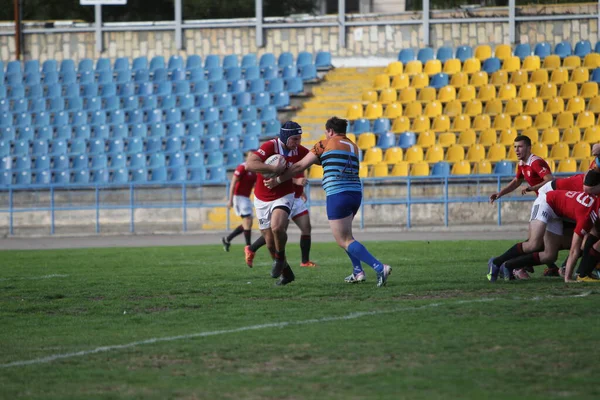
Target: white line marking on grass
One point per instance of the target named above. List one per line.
(35, 278)
(350, 316)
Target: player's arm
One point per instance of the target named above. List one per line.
(574, 254)
(591, 182)
(515, 183)
(308, 160)
(234, 180)
(255, 164)
(547, 178)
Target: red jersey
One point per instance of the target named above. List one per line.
(246, 181)
(533, 170)
(268, 148)
(576, 205)
(573, 183)
(298, 189)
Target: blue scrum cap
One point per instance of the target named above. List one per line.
(288, 130)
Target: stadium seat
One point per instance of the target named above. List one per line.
(464, 53)
(487, 137)
(408, 139)
(453, 108)
(592, 134)
(373, 155)
(493, 107)
(514, 107)
(483, 52)
(522, 50)
(475, 153)
(419, 169)
(520, 123)
(504, 168)
(581, 150)
(491, 65)
(461, 168)
(434, 154)
(414, 154)
(461, 123)
(455, 153)
(542, 50)
(473, 107)
(440, 168)
(503, 51)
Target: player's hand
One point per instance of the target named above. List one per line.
(271, 182)
(524, 191)
(493, 198)
(303, 197)
(301, 181)
(280, 168)
(230, 204)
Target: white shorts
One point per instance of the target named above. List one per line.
(264, 209)
(546, 188)
(541, 211)
(242, 206)
(299, 208)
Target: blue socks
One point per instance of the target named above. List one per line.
(356, 267)
(357, 250)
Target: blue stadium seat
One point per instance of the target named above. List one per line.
(275, 85)
(563, 49)
(191, 144)
(250, 142)
(108, 90)
(323, 61)
(119, 176)
(79, 161)
(139, 175)
(308, 72)
(441, 168)
(359, 126)
(79, 118)
(175, 62)
(248, 60)
(197, 75)
(32, 66)
(252, 72)
(135, 145)
(122, 78)
(211, 114)
(582, 48)
(253, 128)
(14, 79)
(218, 86)
(214, 129)
(134, 116)
(381, 126)
(98, 117)
(234, 158)
(272, 127)
(19, 106)
(50, 66)
(4, 148)
(156, 63)
(13, 67)
(4, 105)
(81, 132)
(154, 116)
(77, 146)
(197, 174)
(406, 55)
(286, 58)
(291, 71)
(268, 113)
(304, 58)
(99, 161)
(158, 129)
(261, 99)
(181, 88)
(74, 103)
(7, 133)
(154, 144)
(224, 100)
(149, 102)
(597, 47)
(271, 72)
(195, 159)
(178, 174)
(41, 162)
(233, 73)
(116, 146)
(438, 81)
(146, 89)
(17, 92)
(63, 132)
(33, 91)
(407, 140)
(6, 178)
(6, 119)
(61, 177)
(196, 129)
(118, 161)
(104, 78)
(234, 128)
(231, 143)
(137, 160)
(229, 114)
(97, 146)
(23, 177)
(139, 130)
(58, 147)
(25, 132)
(200, 87)
(87, 78)
(491, 65)
(425, 54)
(238, 86)
(504, 168)
(156, 160)
(128, 89)
(130, 103)
(44, 133)
(33, 78)
(211, 143)
(176, 158)
(242, 99)
(595, 76)
(191, 115)
(267, 60)
(100, 132)
(103, 64)
(186, 101)
(217, 174)
(56, 104)
(100, 176)
(116, 117)
(230, 60)
(93, 104)
(215, 74)
(542, 50)
(42, 118)
(212, 61)
(22, 162)
(43, 177)
(173, 144)
(122, 64)
(68, 77)
(141, 75)
(463, 53)
(294, 85)
(249, 113)
(444, 53)
(168, 101)
(176, 129)
(172, 115)
(160, 75)
(60, 162)
(193, 61)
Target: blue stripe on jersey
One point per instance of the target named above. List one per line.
(340, 172)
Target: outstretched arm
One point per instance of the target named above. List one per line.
(515, 183)
(294, 170)
(255, 164)
(547, 178)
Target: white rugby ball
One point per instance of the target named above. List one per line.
(275, 159)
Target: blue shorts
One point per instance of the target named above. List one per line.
(343, 204)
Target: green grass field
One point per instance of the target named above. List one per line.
(196, 323)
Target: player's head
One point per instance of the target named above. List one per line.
(290, 134)
(336, 126)
(522, 146)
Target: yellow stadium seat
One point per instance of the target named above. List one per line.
(461, 123)
(433, 67)
(363, 170)
(420, 81)
(413, 67)
(461, 168)
(560, 151)
(540, 150)
(581, 150)
(392, 110)
(564, 120)
(459, 79)
(388, 95)
(519, 78)
(473, 108)
(315, 172)
(394, 68)
(413, 154)
(419, 169)
(434, 154)
(522, 122)
(502, 121)
(551, 62)
(447, 94)
(483, 52)
(527, 91)
(493, 107)
(373, 111)
(532, 133)
(466, 93)
(400, 81)
(534, 106)
(594, 105)
(479, 79)
(568, 90)
(433, 109)
(539, 77)
(426, 139)
(507, 137)
(503, 51)
(366, 140)
(514, 107)
(453, 108)
(481, 122)
(471, 65)
(482, 168)
(373, 155)
(441, 123)
(585, 119)
(571, 62)
(401, 124)
(555, 105)
(571, 135)
(550, 136)
(393, 155)
(589, 90)
(407, 95)
(455, 153)
(580, 75)
(467, 138)
(487, 137)
(350, 136)
(592, 61)
(427, 94)
(499, 78)
(584, 165)
(568, 165)
(421, 124)
(531, 63)
(475, 153)
(592, 134)
(543, 120)
(559, 76)
(382, 81)
(547, 91)
(354, 111)
(507, 92)
(576, 104)
(413, 109)
(369, 96)
(446, 139)
(452, 66)
(400, 169)
(511, 155)
(487, 92)
(379, 170)
(496, 152)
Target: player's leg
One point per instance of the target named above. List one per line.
(242, 208)
(302, 220)
(247, 225)
(590, 257)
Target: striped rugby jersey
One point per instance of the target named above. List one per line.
(339, 158)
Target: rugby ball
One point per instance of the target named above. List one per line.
(275, 159)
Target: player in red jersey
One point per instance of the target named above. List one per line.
(240, 189)
(273, 206)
